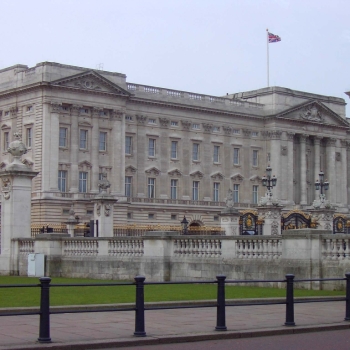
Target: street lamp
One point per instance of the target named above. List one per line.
(184, 225)
(320, 184)
(268, 181)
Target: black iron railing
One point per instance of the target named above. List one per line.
(45, 311)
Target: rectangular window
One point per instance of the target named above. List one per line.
(236, 131)
(128, 145)
(83, 139)
(195, 191)
(174, 149)
(6, 140)
(195, 151)
(216, 190)
(151, 147)
(173, 217)
(63, 137)
(173, 123)
(236, 156)
(29, 108)
(151, 188)
(151, 121)
(255, 194)
(128, 186)
(62, 180)
(128, 117)
(254, 133)
(255, 157)
(173, 189)
(216, 157)
(102, 141)
(29, 137)
(151, 216)
(236, 193)
(83, 178)
(195, 126)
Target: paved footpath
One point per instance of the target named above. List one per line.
(115, 329)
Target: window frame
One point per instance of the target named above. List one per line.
(62, 179)
(174, 149)
(65, 139)
(195, 190)
(216, 154)
(197, 151)
(86, 132)
(255, 160)
(255, 193)
(128, 146)
(102, 142)
(128, 186)
(236, 160)
(216, 192)
(29, 137)
(151, 147)
(173, 188)
(235, 193)
(83, 183)
(151, 188)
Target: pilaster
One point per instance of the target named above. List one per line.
(303, 184)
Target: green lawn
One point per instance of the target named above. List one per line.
(21, 297)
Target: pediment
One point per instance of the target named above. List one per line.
(217, 176)
(314, 112)
(237, 177)
(85, 165)
(130, 169)
(255, 178)
(90, 81)
(152, 171)
(175, 172)
(197, 174)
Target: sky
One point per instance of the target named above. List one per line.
(211, 47)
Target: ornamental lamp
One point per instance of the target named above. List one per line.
(264, 181)
(184, 225)
(321, 175)
(317, 184)
(326, 185)
(274, 181)
(268, 171)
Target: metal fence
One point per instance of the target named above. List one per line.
(45, 311)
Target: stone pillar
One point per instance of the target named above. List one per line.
(74, 147)
(72, 221)
(317, 169)
(272, 219)
(16, 186)
(290, 168)
(323, 218)
(230, 222)
(95, 144)
(303, 185)
(275, 162)
(330, 175)
(344, 173)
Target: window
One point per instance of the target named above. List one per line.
(236, 156)
(63, 137)
(151, 188)
(216, 218)
(62, 180)
(236, 193)
(29, 137)
(236, 131)
(195, 126)
(103, 141)
(128, 145)
(151, 216)
(151, 147)
(173, 149)
(195, 151)
(216, 129)
(29, 108)
(173, 217)
(216, 157)
(128, 117)
(128, 186)
(89, 212)
(254, 133)
(173, 189)
(255, 194)
(83, 139)
(129, 215)
(83, 177)
(151, 121)
(7, 113)
(195, 190)
(255, 157)
(6, 140)
(173, 123)
(216, 190)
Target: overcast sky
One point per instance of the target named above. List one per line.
(206, 46)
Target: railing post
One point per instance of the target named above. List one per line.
(290, 301)
(140, 307)
(220, 311)
(347, 301)
(44, 327)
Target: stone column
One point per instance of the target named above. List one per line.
(290, 167)
(95, 141)
(317, 169)
(272, 219)
(344, 173)
(330, 175)
(303, 198)
(16, 186)
(275, 162)
(74, 149)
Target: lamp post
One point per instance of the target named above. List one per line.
(184, 225)
(320, 184)
(269, 181)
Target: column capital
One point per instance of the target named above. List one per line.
(290, 135)
(303, 138)
(344, 143)
(317, 139)
(56, 107)
(331, 141)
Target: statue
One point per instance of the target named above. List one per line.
(229, 199)
(104, 184)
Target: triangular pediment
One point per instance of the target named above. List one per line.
(255, 178)
(152, 171)
(217, 176)
(237, 177)
(314, 112)
(90, 81)
(174, 172)
(197, 174)
(130, 169)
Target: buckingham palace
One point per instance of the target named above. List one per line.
(167, 153)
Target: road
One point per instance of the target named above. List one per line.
(330, 340)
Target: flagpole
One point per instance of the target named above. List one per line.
(268, 63)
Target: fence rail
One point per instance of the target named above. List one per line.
(45, 311)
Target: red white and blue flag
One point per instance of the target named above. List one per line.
(273, 38)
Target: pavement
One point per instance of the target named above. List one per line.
(102, 329)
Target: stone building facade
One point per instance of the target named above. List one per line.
(167, 153)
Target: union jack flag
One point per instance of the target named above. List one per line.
(273, 38)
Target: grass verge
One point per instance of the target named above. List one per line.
(24, 297)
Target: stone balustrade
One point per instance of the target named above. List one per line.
(125, 247)
(26, 246)
(197, 247)
(259, 248)
(336, 248)
(73, 247)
